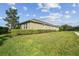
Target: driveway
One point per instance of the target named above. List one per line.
(77, 33)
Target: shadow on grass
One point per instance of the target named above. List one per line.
(3, 38)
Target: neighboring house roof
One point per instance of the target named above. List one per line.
(39, 22)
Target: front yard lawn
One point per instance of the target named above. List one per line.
(45, 44)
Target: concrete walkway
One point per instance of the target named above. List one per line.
(77, 33)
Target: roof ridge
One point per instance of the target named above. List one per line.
(40, 21)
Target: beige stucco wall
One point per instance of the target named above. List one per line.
(36, 26)
(24, 26)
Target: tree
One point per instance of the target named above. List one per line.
(66, 27)
(11, 18)
(3, 30)
(76, 28)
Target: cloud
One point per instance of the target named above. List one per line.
(41, 17)
(67, 12)
(49, 5)
(13, 7)
(1, 17)
(19, 14)
(12, 4)
(73, 11)
(56, 15)
(40, 5)
(25, 8)
(44, 10)
(34, 15)
(27, 15)
(45, 7)
(52, 17)
(74, 5)
(67, 16)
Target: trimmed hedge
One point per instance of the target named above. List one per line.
(15, 32)
(3, 30)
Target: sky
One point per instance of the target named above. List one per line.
(54, 13)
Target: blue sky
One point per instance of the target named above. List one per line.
(54, 13)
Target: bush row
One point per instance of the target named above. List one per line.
(27, 32)
(3, 30)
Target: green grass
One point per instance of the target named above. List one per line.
(45, 44)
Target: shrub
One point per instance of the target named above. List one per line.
(15, 32)
(3, 30)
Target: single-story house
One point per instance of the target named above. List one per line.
(35, 24)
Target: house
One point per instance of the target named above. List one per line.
(35, 24)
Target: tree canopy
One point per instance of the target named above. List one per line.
(12, 18)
